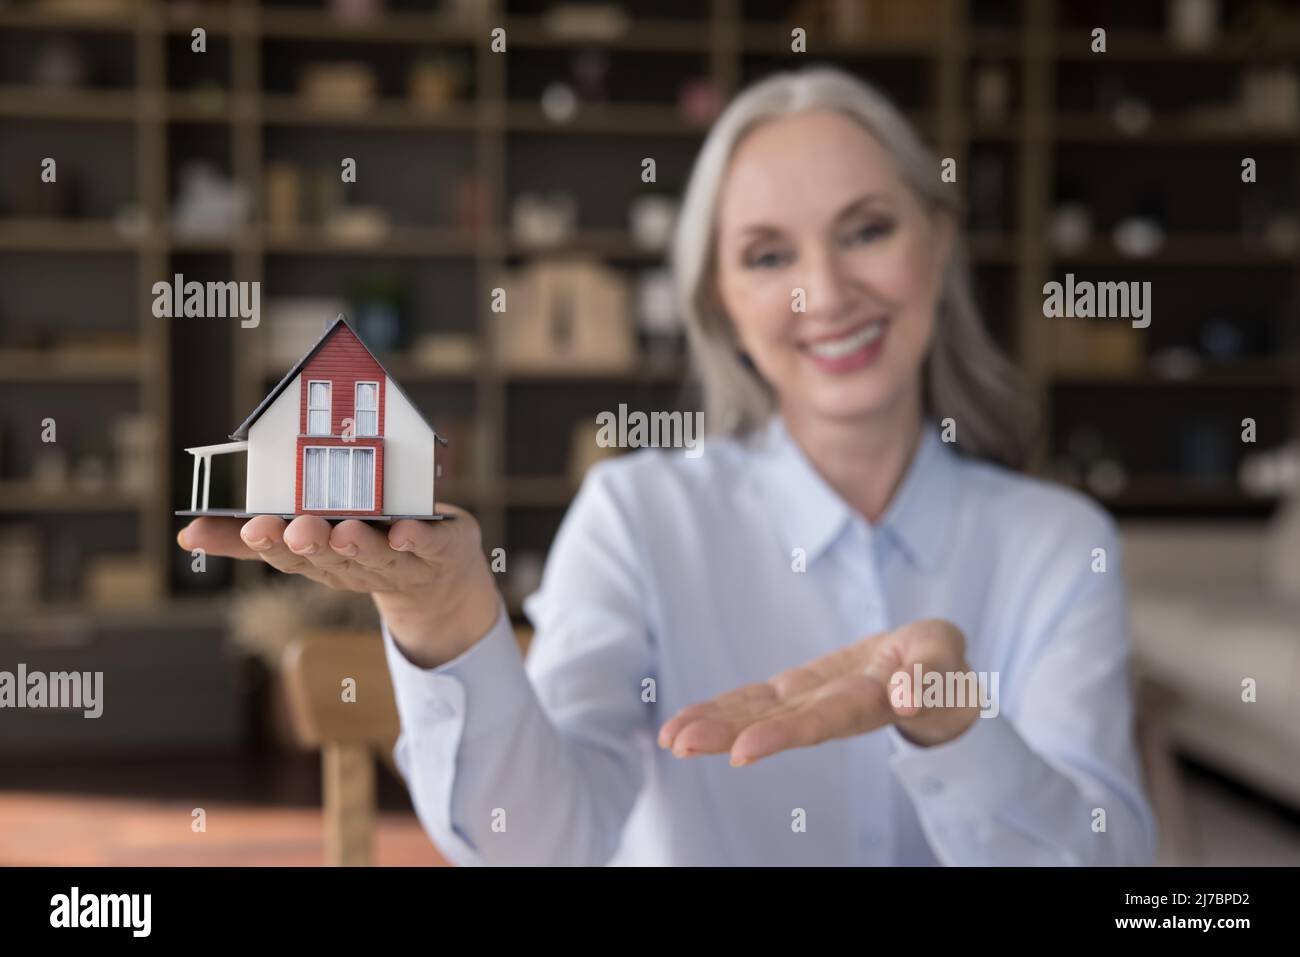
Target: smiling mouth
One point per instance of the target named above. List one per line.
(847, 344)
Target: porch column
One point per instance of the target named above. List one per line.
(194, 486)
(207, 477)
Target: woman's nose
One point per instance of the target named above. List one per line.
(827, 287)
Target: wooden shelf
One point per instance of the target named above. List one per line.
(406, 370)
(1209, 374)
(315, 241)
(388, 27)
(197, 107)
(218, 21)
(289, 109)
(608, 243)
(22, 496)
(400, 241)
(47, 18)
(1099, 128)
(775, 39)
(648, 375)
(1185, 249)
(55, 366)
(80, 616)
(649, 35)
(88, 104)
(1152, 46)
(631, 119)
(65, 235)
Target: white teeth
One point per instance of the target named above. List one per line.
(839, 348)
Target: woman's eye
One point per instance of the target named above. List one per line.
(869, 231)
(766, 260)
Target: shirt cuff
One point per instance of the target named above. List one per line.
(979, 771)
(483, 688)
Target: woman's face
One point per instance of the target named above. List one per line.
(813, 215)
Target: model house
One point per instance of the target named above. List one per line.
(337, 437)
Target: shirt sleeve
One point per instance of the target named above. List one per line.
(1051, 776)
(538, 763)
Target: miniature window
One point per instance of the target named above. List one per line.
(338, 479)
(318, 408)
(313, 478)
(367, 408)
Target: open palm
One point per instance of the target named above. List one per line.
(844, 693)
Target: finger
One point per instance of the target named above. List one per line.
(308, 536)
(428, 541)
(749, 699)
(216, 536)
(708, 735)
(851, 705)
(681, 719)
(716, 732)
(368, 548)
(265, 536)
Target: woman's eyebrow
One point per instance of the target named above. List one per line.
(761, 229)
(865, 200)
(853, 206)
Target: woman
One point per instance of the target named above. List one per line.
(855, 509)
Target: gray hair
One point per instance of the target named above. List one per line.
(965, 375)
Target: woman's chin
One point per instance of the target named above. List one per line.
(865, 398)
(850, 408)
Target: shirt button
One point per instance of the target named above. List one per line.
(931, 785)
(442, 709)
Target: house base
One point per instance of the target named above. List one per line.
(235, 513)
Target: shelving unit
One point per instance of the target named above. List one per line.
(729, 39)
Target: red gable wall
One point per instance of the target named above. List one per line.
(344, 361)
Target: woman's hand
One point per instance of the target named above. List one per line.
(851, 691)
(429, 580)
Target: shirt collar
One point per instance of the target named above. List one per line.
(811, 515)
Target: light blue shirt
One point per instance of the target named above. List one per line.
(673, 579)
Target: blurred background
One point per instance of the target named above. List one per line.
(216, 155)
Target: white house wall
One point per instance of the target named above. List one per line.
(272, 452)
(408, 457)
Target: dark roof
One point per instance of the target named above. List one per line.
(242, 432)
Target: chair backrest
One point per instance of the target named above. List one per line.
(326, 710)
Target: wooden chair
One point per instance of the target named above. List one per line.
(350, 734)
(1156, 704)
